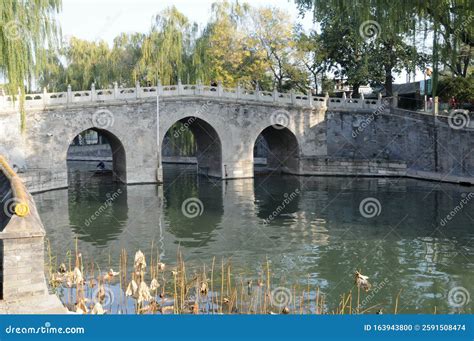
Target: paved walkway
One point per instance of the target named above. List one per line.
(35, 305)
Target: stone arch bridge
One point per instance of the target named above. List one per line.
(306, 135)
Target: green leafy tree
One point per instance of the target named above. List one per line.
(347, 54)
(25, 27)
(449, 22)
(53, 76)
(125, 57)
(87, 63)
(311, 56)
(225, 52)
(462, 89)
(166, 46)
(272, 30)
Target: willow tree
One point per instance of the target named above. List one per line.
(88, 62)
(453, 21)
(165, 47)
(125, 56)
(25, 28)
(53, 74)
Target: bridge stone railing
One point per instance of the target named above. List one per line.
(46, 99)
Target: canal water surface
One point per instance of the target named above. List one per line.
(314, 231)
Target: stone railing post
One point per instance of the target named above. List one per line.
(395, 100)
(219, 88)
(344, 99)
(180, 87)
(199, 87)
(45, 95)
(310, 97)
(159, 88)
(238, 91)
(257, 92)
(425, 103)
(362, 102)
(436, 106)
(379, 99)
(69, 94)
(293, 97)
(93, 93)
(326, 99)
(275, 95)
(137, 89)
(115, 90)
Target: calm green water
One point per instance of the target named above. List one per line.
(319, 236)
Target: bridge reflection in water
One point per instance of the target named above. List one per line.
(318, 236)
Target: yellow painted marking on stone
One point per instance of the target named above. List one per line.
(21, 208)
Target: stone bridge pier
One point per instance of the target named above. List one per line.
(40, 152)
(226, 132)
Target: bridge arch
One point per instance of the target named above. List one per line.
(282, 149)
(118, 154)
(208, 151)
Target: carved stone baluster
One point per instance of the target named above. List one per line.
(69, 94)
(93, 93)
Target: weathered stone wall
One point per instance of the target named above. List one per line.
(427, 144)
(22, 281)
(40, 152)
(238, 124)
(344, 166)
(93, 152)
(23, 268)
(342, 141)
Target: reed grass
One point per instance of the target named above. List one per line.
(155, 288)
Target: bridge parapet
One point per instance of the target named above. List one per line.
(22, 280)
(48, 99)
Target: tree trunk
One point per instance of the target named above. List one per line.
(355, 90)
(315, 75)
(388, 80)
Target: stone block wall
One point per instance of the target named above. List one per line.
(92, 152)
(22, 277)
(23, 268)
(428, 145)
(342, 167)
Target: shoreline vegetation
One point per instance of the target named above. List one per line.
(148, 286)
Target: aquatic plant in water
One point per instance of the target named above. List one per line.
(150, 288)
